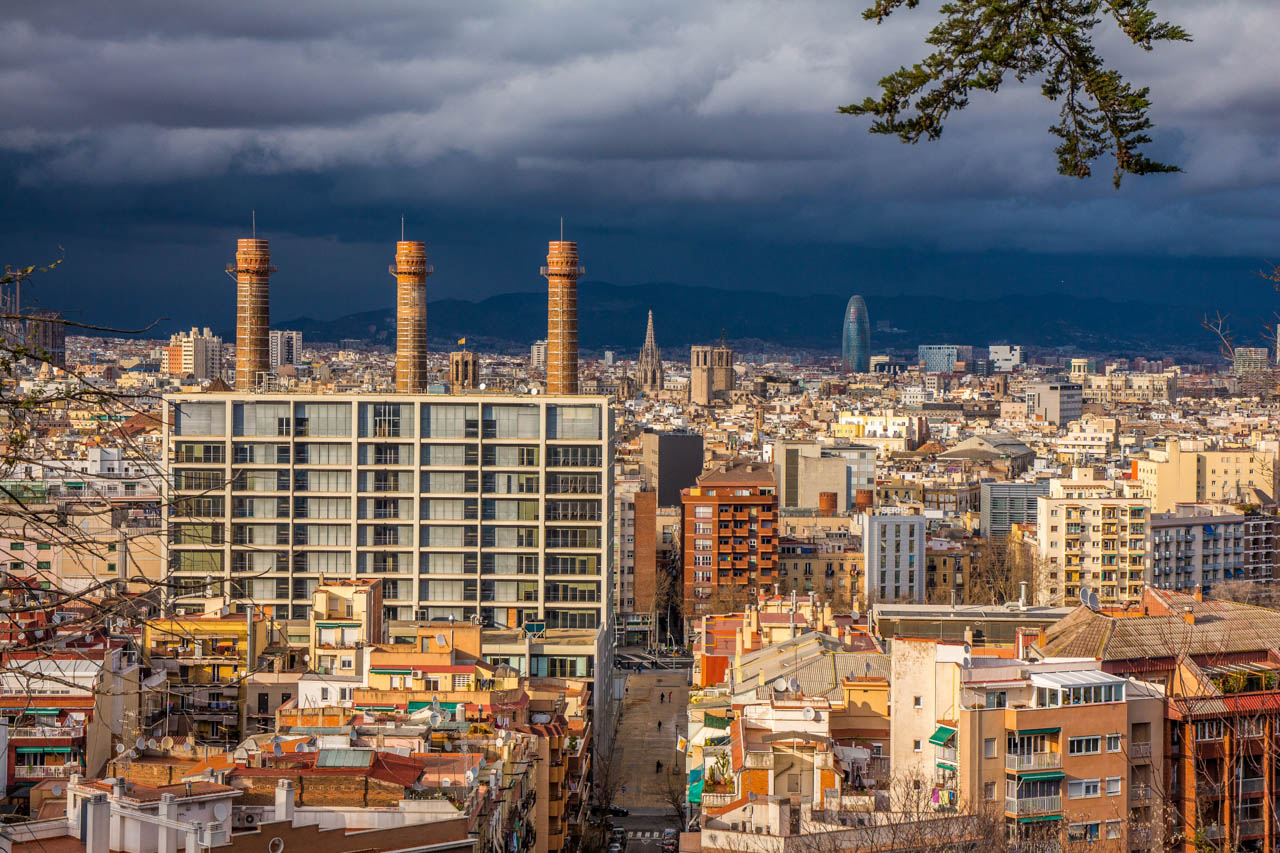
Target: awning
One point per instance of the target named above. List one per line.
(1049, 731)
(695, 775)
(39, 749)
(947, 764)
(337, 624)
(714, 722)
(1039, 817)
(942, 735)
(378, 670)
(1041, 774)
(695, 792)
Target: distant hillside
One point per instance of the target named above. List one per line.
(613, 316)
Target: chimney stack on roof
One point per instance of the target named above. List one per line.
(562, 272)
(411, 270)
(252, 271)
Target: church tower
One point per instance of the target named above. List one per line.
(649, 369)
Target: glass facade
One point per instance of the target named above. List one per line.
(856, 343)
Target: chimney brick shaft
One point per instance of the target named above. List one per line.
(252, 270)
(411, 270)
(562, 272)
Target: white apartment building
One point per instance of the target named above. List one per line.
(538, 355)
(1091, 535)
(284, 347)
(487, 506)
(196, 353)
(894, 557)
(1200, 545)
(1004, 358)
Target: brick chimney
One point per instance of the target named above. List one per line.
(1199, 593)
(1188, 615)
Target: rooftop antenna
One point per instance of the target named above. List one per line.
(561, 229)
(253, 215)
(401, 229)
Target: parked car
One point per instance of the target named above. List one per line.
(618, 837)
(670, 841)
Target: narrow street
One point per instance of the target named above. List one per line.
(641, 745)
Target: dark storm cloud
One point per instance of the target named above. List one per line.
(148, 129)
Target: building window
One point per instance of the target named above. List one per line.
(1083, 788)
(1113, 743)
(1085, 745)
(324, 694)
(915, 746)
(1113, 829)
(989, 750)
(988, 790)
(1113, 786)
(917, 702)
(1087, 832)
(996, 699)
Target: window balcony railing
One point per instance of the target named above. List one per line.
(1033, 761)
(45, 771)
(41, 732)
(1032, 805)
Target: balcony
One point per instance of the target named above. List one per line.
(45, 732)
(715, 799)
(1251, 828)
(555, 774)
(945, 753)
(45, 771)
(1139, 792)
(758, 760)
(1252, 786)
(1032, 805)
(1033, 761)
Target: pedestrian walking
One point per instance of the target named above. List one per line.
(659, 725)
(661, 699)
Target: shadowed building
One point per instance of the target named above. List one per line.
(711, 375)
(856, 338)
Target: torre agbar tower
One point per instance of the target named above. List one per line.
(252, 271)
(562, 272)
(411, 270)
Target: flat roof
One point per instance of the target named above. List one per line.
(1075, 678)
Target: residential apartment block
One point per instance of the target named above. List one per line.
(729, 528)
(1195, 472)
(486, 507)
(1200, 546)
(1090, 536)
(893, 558)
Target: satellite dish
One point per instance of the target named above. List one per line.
(481, 765)
(119, 749)
(780, 685)
(152, 743)
(809, 714)
(442, 640)
(166, 743)
(483, 386)
(752, 796)
(140, 743)
(434, 719)
(795, 684)
(277, 749)
(854, 614)
(220, 811)
(446, 782)
(470, 776)
(540, 719)
(1093, 600)
(306, 658)
(56, 790)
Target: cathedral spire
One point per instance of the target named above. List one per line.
(649, 366)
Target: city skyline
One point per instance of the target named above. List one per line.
(670, 149)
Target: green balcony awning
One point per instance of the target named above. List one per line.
(947, 764)
(1047, 775)
(28, 750)
(1050, 731)
(695, 792)
(713, 722)
(942, 735)
(337, 624)
(381, 670)
(1039, 817)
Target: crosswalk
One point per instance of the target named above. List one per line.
(644, 835)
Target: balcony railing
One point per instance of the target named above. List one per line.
(945, 753)
(758, 760)
(1140, 750)
(1250, 828)
(1032, 805)
(1251, 786)
(42, 732)
(1139, 792)
(45, 771)
(1033, 761)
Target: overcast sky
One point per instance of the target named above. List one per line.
(682, 141)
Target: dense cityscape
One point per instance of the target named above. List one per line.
(880, 490)
(467, 601)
